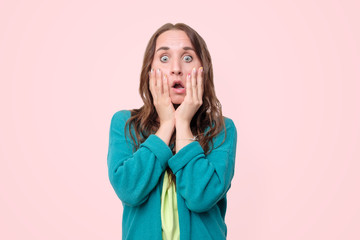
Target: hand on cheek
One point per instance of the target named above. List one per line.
(193, 98)
(159, 89)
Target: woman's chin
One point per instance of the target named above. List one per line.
(177, 100)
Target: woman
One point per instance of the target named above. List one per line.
(171, 161)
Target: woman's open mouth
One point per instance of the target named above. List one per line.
(178, 87)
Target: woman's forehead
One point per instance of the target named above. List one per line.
(173, 39)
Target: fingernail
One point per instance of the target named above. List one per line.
(158, 70)
(152, 70)
(165, 77)
(188, 76)
(194, 70)
(201, 69)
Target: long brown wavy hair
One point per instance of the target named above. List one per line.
(144, 122)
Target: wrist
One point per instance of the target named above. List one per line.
(184, 135)
(167, 125)
(165, 131)
(183, 131)
(182, 125)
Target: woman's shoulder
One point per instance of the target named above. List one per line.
(121, 116)
(225, 139)
(229, 123)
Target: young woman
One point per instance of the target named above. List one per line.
(171, 161)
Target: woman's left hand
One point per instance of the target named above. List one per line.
(193, 98)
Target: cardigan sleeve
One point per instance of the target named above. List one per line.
(133, 175)
(204, 180)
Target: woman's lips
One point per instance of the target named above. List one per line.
(178, 87)
(179, 90)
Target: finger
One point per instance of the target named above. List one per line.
(161, 77)
(200, 83)
(158, 82)
(152, 83)
(188, 86)
(194, 84)
(166, 86)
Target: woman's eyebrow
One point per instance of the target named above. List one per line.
(167, 48)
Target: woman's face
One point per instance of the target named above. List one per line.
(176, 57)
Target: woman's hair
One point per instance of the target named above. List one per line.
(144, 119)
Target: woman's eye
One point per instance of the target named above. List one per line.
(188, 58)
(164, 58)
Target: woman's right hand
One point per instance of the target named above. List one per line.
(159, 88)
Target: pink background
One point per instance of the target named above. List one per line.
(286, 72)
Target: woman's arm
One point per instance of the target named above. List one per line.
(204, 180)
(134, 175)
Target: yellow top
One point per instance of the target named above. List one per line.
(169, 211)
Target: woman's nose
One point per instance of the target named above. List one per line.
(176, 68)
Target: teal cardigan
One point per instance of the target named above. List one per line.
(202, 182)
